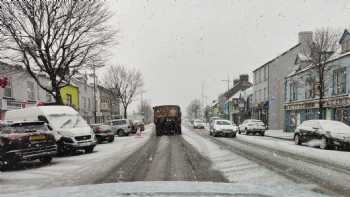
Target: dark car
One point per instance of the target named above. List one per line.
(25, 141)
(103, 132)
(330, 133)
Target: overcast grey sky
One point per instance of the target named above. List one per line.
(180, 44)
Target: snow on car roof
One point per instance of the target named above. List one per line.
(58, 109)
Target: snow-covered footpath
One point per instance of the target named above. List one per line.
(238, 169)
(73, 170)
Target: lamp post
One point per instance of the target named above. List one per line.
(227, 97)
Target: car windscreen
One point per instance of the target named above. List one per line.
(66, 121)
(24, 128)
(221, 122)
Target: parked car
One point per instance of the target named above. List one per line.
(25, 141)
(120, 127)
(223, 128)
(252, 126)
(198, 124)
(103, 132)
(330, 133)
(70, 129)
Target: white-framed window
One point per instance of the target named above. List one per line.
(8, 88)
(339, 81)
(30, 91)
(69, 99)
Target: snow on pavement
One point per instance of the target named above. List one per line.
(236, 168)
(73, 170)
(341, 158)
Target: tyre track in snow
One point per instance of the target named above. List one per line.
(331, 180)
(165, 158)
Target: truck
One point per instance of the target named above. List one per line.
(167, 120)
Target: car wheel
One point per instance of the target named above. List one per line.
(89, 149)
(111, 139)
(246, 132)
(324, 143)
(121, 133)
(297, 139)
(45, 160)
(232, 135)
(262, 133)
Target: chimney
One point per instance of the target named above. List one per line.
(305, 37)
(244, 77)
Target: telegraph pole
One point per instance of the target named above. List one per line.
(94, 73)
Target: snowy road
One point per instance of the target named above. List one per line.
(280, 160)
(194, 156)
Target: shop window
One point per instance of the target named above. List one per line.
(339, 81)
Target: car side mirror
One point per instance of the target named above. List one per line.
(43, 118)
(50, 128)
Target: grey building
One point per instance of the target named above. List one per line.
(269, 84)
(108, 107)
(86, 97)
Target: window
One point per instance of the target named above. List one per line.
(309, 88)
(30, 91)
(339, 81)
(265, 94)
(69, 100)
(8, 88)
(48, 97)
(293, 91)
(265, 73)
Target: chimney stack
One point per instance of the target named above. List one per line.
(305, 37)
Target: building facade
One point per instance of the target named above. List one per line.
(302, 96)
(231, 98)
(269, 91)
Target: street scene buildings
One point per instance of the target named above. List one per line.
(283, 92)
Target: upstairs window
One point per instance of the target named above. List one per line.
(339, 81)
(293, 91)
(30, 91)
(309, 88)
(8, 89)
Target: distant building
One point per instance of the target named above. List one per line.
(226, 100)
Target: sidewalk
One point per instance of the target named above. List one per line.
(280, 134)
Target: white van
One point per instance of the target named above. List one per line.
(72, 131)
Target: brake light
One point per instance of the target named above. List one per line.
(98, 130)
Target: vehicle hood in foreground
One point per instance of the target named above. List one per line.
(171, 188)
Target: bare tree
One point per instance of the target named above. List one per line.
(146, 109)
(317, 52)
(56, 38)
(124, 84)
(194, 109)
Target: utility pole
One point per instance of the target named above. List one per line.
(228, 89)
(94, 73)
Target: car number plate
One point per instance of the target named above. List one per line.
(37, 137)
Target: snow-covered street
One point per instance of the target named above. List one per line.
(73, 170)
(270, 163)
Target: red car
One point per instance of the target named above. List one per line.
(103, 132)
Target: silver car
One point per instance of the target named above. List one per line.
(120, 127)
